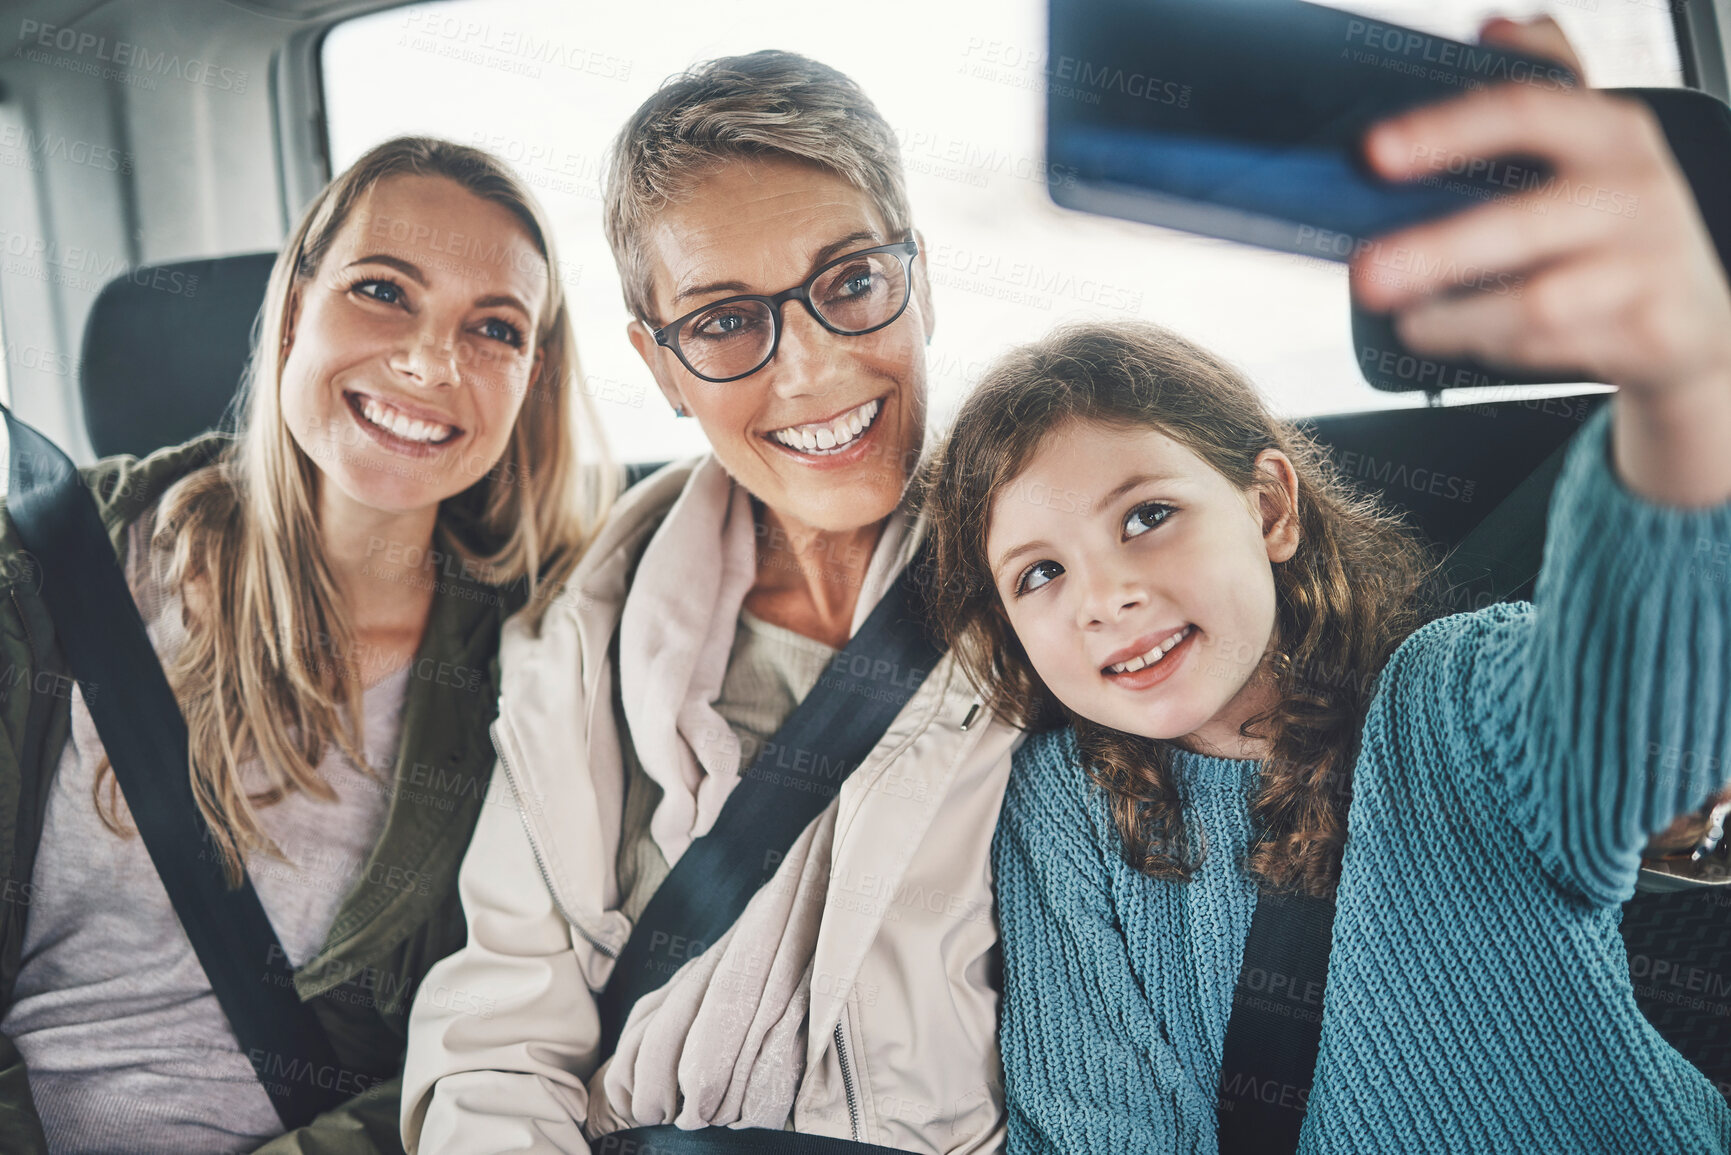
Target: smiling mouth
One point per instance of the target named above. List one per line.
(394, 422)
(1143, 661)
(824, 438)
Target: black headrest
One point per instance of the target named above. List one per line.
(1697, 127)
(164, 349)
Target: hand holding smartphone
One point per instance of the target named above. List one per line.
(1245, 120)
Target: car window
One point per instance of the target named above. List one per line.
(545, 84)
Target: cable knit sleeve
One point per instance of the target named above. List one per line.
(1605, 703)
(1079, 1067)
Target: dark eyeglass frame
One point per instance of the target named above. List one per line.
(668, 334)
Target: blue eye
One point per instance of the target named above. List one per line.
(853, 282)
(730, 323)
(387, 291)
(1036, 576)
(1145, 517)
(502, 331)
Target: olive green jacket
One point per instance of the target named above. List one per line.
(400, 917)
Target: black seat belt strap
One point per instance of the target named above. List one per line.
(790, 781)
(1272, 1037)
(108, 651)
(1502, 553)
(1275, 1030)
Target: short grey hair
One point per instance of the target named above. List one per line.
(768, 103)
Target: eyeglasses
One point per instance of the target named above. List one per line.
(851, 296)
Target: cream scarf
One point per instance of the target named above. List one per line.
(676, 635)
(724, 1041)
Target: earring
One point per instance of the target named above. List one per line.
(679, 411)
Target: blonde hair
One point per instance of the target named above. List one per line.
(262, 673)
(768, 103)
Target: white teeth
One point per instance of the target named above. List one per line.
(829, 436)
(404, 426)
(1154, 655)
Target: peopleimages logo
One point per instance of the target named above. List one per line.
(1405, 50)
(515, 50)
(1065, 77)
(85, 268)
(25, 144)
(35, 39)
(282, 1071)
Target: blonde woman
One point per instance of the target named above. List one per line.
(325, 592)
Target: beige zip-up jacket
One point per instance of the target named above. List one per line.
(902, 1037)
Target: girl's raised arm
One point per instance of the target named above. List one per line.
(1612, 700)
(1625, 680)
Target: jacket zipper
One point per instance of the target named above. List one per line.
(535, 848)
(847, 1084)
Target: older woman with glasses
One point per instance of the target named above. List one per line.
(757, 212)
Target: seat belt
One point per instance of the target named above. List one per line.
(1268, 1062)
(1272, 1035)
(1269, 1059)
(1502, 553)
(108, 651)
(794, 776)
(1686, 928)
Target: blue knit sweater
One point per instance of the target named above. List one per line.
(1479, 998)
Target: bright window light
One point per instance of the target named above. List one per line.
(546, 83)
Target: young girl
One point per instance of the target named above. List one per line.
(326, 593)
(1125, 533)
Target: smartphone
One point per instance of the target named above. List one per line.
(1243, 119)
(1697, 128)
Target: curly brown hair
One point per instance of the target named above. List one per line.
(1345, 600)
